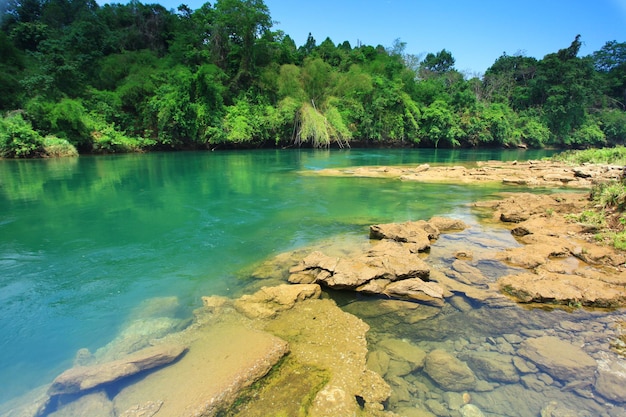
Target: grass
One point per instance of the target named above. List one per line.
(611, 156)
(609, 198)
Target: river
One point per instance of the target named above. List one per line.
(85, 241)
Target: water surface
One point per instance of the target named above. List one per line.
(84, 241)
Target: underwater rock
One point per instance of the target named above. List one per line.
(561, 360)
(492, 366)
(470, 410)
(83, 378)
(222, 360)
(449, 372)
(95, 404)
(611, 379)
(404, 351)
(555, 409)
(320, 334)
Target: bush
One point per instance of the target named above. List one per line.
(18, 139)
(57, 147)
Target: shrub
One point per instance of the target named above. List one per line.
(18, 139)
(57, 147)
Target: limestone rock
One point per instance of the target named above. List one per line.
(416, 289)
(448, 371)
(82, 378)
(561, 360)
(565, 289)
(493, 366)
(222, 360)
(399, 349)
(611, 379)
(470, 410)
(418, 234)
(269, 301)
(554, 409)
(95, 404)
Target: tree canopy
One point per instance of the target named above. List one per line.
(126, 77)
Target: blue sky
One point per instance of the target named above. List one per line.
(477, 32)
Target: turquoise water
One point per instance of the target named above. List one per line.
(84, 241)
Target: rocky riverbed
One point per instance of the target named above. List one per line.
(520, 314)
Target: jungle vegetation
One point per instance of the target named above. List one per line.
(131, 77)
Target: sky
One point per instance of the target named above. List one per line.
(476, 32)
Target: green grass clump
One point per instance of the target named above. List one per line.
(612, 156)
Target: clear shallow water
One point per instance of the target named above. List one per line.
(84, 241)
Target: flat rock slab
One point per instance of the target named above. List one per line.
(558, 358)
(564, 289)
(223, 360)
(83, 378)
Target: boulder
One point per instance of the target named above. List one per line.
(558, 358)
(83, 378)
(448, 371)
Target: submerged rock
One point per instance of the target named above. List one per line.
(83, 378)
(449, 372)
(611, 379)
(222, 360)
(560, 359)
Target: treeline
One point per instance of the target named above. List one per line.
(125, 77)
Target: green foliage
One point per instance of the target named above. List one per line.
(56, 147)
(130, 77)
(615, 156)
(18, 139)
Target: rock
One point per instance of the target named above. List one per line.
(83, 378)
(555, 409)
(320, 334)
(448, 371)
(378, 361)
(399, 349)
(418, 234)
(561, 360)
(269, 301)
(437, 408)
(492, 366)
(147, 409)
(564, 289)
(611, 379)
(416, 289)
(222, 360)
(374, 271)
(470, 410)
(95, 404)
(446, 224)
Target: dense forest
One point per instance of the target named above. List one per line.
(76, 76)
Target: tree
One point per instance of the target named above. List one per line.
(237, 25)
(438, 63)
